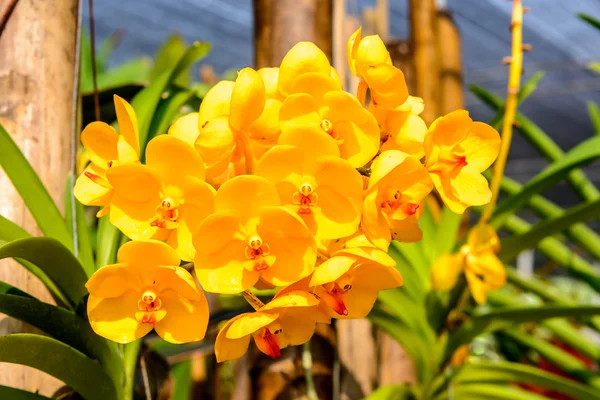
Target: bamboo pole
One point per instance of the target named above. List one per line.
(449, 50)
(37, 53)
(423, 36)
(280, 24)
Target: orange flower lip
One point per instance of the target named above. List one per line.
(268, 344)
(97, 179)
(449, 163)
(335, 301)
(149, 319)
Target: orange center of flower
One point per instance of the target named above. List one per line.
(256, 251)
(333, 294)
(448, 163)
(267, 340)
(166, 214)
(304, 198)
(395, 201)
(148, 304)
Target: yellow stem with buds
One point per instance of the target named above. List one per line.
(510, 109)
(252, 299)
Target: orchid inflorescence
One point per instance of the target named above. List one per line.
(261, 188)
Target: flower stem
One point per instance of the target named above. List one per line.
(252, 299)
(510, 110)
(307, 363)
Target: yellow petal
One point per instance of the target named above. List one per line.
(302, 58)
(249, 323)
(471, 188)
(247, 100)
(230, 349)
(481, 146)
(186, 128)
(231, 278)
(282, 165)
(114, 318)
(352, 48)
(488, 266)
(265, 129)
(246, 195)
(299, 109)
(315, 84)
(407, 230)
(359, 302)
(100, 142)
(186, 320)
(371, 52)
(445, 271)
(298, 326)
(313, 142)
(216, 103)
(128, 124)
(374, 223)
(446, 192)
(370, 275)
(111, 281)
(295, 298)
(270, 77)
(90, 193)
(387, 84)
(290, 242)
(126, 153)
(149, 252)
(172, 159)
(332, 269)
(215, 144)
(445, 132)
(477, 286)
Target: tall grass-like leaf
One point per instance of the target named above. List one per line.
(18, 394)
(482, 371)
(594, 113)
(590, 20)
(392, 392)
(526, 90)
(55, 260)
(11, 231)
(486, 391)
(32, 190)
(181, 373)
(513, 245)
(78, 229)
(171, 50)
(55, 358)
(108, 238)
(447, 232)
(168, 109)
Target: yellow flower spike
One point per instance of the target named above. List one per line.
(369, 60)
(313, 182)
(165, 199)
(397, 186)
(401, 130)
(251, 237)
(289, 319)
(106, 149)
(186, 128)
(336, 113)
(457, 151)
(446, 270)
(302, 58)
(146, 290)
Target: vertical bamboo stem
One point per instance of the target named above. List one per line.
(280, 24)
(451, 78)
(37, 53)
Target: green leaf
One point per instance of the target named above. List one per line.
(11, 231)
(594, 66)
(132, 72)
(501, 319)
(145, 102)
(526, 90)
(556, 356)
(583, 154)
(392, 392)
(412, 253)
(108, 239)
(429, 227)
(54, 259)
(590, 20)
(5, 288)
(513, 245)
(594, 112)
(32, 190)
(18, 394)
(168, 109)
(77, 225)
(486, 391)
(171, 50)
(447, 235)
(181, 373)
(483, 371)
(59, 360)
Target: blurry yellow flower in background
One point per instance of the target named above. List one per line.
(165, 199)
(477, 259)
(106, 149)
(397, 186)
(312, 181)
(457, 151)
(250, 236)
(146, 290)
(288, 319)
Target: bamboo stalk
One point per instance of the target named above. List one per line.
(451, 77)
(37, 56)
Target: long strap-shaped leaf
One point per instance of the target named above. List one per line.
(54, 259)
(502, 371)
(501, 319)
(32, 190)
(487, 391)
(18, 394)
(75, 219)
(513, 245)
(59, 360)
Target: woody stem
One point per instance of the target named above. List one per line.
(252, 299)
(510, 110)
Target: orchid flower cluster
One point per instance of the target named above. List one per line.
(281, 180)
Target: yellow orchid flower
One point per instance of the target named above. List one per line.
(316, 100)
(186, 128)
(397, 187)
(477, 259)
(369, 60)
(250, 236)
(225, 119)
(165, 199)
(146, 290)
(288, 319)
(312, 181)
(457, 151)
(105, 149)
(401, 128)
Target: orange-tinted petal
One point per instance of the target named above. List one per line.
(186, 320)
(186, 128)
(247, 100)
(128, 124)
